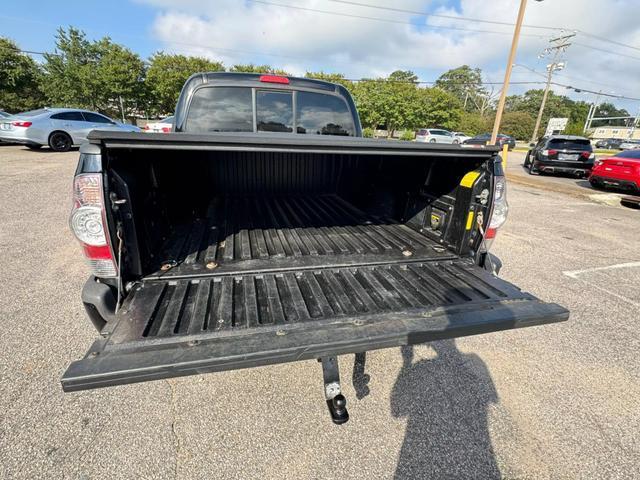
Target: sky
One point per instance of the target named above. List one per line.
(334, 36)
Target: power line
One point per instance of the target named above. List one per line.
(478, 20)
(387, 20)
(439, 15)
(606, 51)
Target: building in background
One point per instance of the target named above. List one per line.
(609, 131)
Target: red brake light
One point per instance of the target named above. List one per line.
(89, 225)
(21, 124)
(166, 129)
(553, 152)
(146, 127)
(490, 233)
(586, 154)
(274, 79)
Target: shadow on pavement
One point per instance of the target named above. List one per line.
(445, 401)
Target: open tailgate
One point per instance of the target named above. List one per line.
(169, 328)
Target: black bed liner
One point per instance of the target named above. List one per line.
(259, 234)
(180, 327)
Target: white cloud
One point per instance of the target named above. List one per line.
(300, 40)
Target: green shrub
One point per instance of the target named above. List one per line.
(367, 132)
(473, 124)
(408, 135)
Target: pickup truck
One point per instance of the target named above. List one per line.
(264, 230)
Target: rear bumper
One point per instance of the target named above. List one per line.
(22, 140)
(574, 168)
(623, 184)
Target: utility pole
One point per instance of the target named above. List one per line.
(558, 46)
(592, 111)
(507, 73)
(636, 122)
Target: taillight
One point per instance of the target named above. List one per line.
(146, 127)
(274, 79)
(546, 153)
(88, 223)
(21, 124)
(499, 210)
(166, 129)
(588, 155)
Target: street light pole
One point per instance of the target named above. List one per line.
(560, 45)
(507, 73)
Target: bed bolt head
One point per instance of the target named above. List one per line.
(407, 253)
(212, 265)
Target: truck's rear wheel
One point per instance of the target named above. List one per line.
(60, 142)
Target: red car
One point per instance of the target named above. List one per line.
(620, 171)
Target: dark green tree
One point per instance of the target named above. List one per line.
(331, 77)
(439, 108)
(465, 83)
(120, 76)
(20, 79)
(97, 75)
(472, 124)
(251, 68)
(607, 109)
(167, 74)
(70, 71)
(518, 125)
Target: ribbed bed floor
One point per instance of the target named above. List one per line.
(247, 234)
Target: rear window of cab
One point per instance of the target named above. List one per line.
(231, 109)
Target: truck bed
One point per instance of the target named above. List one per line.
(258, 233)
(255, 250)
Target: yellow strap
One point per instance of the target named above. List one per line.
(469, 220)
(469, 179)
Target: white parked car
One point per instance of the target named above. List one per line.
(435, 135)
(161, 126)
(461, 137)
(60, 128)
(629, 145)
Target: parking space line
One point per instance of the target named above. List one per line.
(575, 275)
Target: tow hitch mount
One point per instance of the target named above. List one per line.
(335, 400)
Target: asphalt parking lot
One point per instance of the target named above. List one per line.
(560, 401)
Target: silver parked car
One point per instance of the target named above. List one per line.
(60, 128)
(630, 145)
(436, 135)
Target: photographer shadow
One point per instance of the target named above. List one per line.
(446, 401)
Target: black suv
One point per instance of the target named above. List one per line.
(561, 153)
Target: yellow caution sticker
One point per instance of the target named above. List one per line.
(469, 179)
(470, 220)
